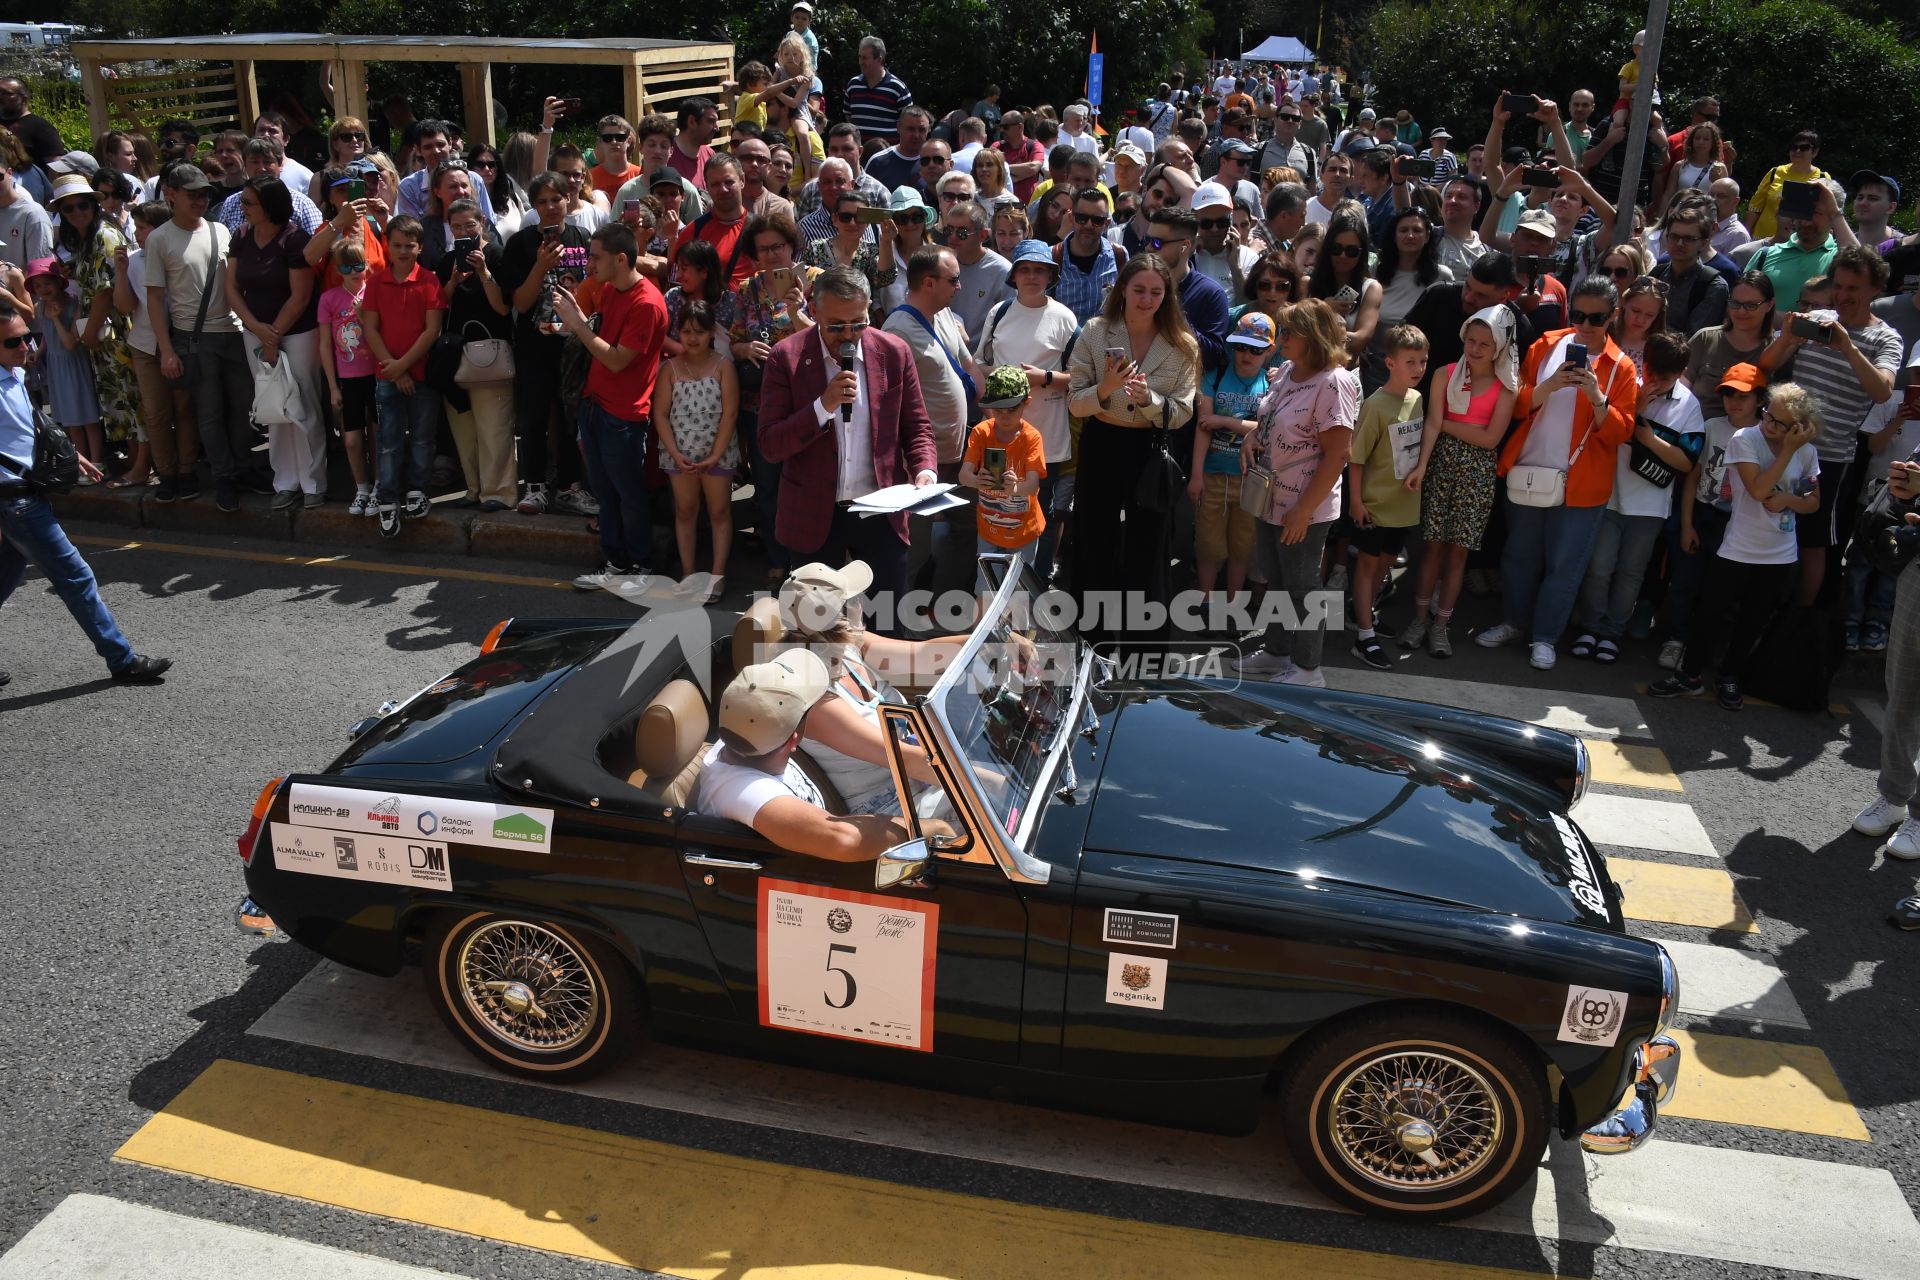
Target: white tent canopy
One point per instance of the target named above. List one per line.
(1279, 49)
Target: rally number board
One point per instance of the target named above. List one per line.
(855, 966)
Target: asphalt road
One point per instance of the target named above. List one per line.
(120, 807)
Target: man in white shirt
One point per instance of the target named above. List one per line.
(1218, 253)
(749, 775)
(1334, 178)
(1729, 233)
(972, 137)
(1074, 131)
(273, 126)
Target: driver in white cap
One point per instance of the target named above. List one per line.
(749, 775)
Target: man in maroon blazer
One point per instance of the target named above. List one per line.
(841, 434)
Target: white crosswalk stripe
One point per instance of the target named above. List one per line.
(1726, 982)
(1630, 822)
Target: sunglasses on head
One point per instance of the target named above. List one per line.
(1593, 318)
(1347, 250)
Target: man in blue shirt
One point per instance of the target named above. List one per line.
(29, 530)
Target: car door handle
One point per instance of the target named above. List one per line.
(725, 864)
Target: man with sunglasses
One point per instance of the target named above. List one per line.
(1170, 234)
(756, 164)
(983, 273)
(1218, 253)
(936, 162)
(1285, 146)
(433, 146)
(1163, 185)
(1087, 262)
(30, 532)
(612, 147)
(1697, 294)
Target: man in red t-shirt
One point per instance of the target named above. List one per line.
(699, 120)
(1026, 159)
(402, 311)
(721, 224)
(618, 404)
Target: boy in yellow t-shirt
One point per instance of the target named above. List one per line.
(1386, 449)
(1008, 515)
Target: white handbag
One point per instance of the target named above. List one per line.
(277, 397)
(1547, 486)
(483, 361)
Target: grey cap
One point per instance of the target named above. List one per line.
(186, 177)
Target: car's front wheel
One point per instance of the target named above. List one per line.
(531, 996)
(1416, 1115)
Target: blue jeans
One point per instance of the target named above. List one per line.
(1621, 549)
(407, 425)
(1867, 595)
(1544, 564)
(615, 452)
(32, 533)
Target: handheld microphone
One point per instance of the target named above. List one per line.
(846, 353)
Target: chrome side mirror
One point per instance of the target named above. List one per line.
(903, 866)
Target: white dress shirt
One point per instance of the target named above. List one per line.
(855, 432)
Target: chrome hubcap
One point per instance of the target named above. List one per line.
(528, 986)
(1416, 1121)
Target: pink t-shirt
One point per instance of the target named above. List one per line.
(340, 313)
(1291, 418)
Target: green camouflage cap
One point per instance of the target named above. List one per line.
(1006, 388)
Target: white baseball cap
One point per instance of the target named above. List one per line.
(1211, 195)
(766, 702)
(814, 596)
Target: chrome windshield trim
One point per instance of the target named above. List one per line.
(1008, 851)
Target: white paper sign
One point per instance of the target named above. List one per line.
(856, 966)
(393, 813)
(1139, 981)
(417, 864)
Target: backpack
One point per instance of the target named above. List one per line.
(1794, 662)
(993, 322)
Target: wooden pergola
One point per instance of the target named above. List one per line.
(652, 71)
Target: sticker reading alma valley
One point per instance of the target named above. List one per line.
(395, 813)
(316, 851)
(855, 966)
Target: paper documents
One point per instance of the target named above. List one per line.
(923, 501)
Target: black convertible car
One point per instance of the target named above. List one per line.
(1160, 900)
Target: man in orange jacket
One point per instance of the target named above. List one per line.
(1578, 393)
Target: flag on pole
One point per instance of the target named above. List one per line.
(1096, 77)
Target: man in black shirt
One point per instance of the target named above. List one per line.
(1444, 309)
(37, 135)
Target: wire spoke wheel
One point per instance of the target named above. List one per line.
(1416, 1121)
(528, 985)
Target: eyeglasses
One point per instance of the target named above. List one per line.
(574, 175)
(613, 137)
(1592, 319)
(770, 246)
(1347, 250)
(850, 327)
(1741, 304)
(962, 234)
(1215, 224)
(352, 268)
(1092, 219)
(1676, 237)
(350, 135)
(1784, 426)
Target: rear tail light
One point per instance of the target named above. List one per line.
(492, 641)
(261, 806)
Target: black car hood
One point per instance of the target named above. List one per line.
(1287, 781)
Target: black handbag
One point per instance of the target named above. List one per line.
(1648, 465)
(1882, 531)
(1160, 478)
(56, 463)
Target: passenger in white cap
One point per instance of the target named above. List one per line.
(750, 777)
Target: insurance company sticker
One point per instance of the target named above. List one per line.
(1139, 981)
(856, 966)
(317, 851)
(394, 813)
(1141, 928)
(1592, 1016)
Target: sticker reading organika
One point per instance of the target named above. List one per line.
(503, 826)
(1139, 981)
(1592, 1016)
(317, 851)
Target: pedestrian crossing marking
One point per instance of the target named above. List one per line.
(1635, 822)
(1701, 896)
(687, 1212)
(1736, 1080)
(1733, 983)
(1623, 764)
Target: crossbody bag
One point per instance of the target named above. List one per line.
(1532, 486)
(189, 358)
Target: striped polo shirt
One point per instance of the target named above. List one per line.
(876, 108)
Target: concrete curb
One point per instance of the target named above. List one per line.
(548, 539)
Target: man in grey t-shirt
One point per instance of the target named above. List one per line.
(25, 230)
(983, 273)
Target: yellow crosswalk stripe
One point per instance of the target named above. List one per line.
(1735, 1080)
(1700, 896)
(681, 1211)
(1623, 764)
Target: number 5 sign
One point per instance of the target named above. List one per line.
(856, 966)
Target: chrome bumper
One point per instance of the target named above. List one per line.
(1656, 1071)
(249, 918)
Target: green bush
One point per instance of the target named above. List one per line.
(1776, 65)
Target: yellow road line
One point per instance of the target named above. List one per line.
(1702, 896)
(1736, 1080)
(685, 1212)
(340, 561)
(1622, 764)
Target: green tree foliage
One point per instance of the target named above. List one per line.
(1776, 66)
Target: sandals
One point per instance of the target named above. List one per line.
(1583, 647)
(1606, 651)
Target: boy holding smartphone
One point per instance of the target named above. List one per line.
(1006, 461)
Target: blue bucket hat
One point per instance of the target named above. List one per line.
(1033, 251)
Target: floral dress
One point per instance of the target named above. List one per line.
(113, 379)
(755, 317)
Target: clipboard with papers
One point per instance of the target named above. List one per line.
(924, 500)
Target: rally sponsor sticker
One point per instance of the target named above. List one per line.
(1140, 928)
(395, 813)
(855, 966)
(1137, 981)
(317, 851)
(1592, 1016)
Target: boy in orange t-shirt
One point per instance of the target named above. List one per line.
(1008, 513)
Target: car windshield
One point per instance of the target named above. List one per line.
(1006, 701)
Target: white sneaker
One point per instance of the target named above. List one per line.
(1495, 636)
(1905, 844)
(1314, 679)
(1262, 663)
(362, 505)
(1543, 656)
(1879, 818)
(1337, 578)
(1670, 654)
(606, 576)
(534, 502)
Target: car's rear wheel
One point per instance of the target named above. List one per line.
(1416, 1115)
(531, 996)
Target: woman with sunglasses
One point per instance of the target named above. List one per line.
(1272, 284)
(907, 229)
(1763, 209)
(115, 192)
(1135, 373)
(1741, 340)
(349, 218)
(849, 246)
(86, 243)
(1405, 271)
(1642, 313)
(1341, 280)
(510, 203)
(271, 287)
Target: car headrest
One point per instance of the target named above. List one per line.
(672, 730)
(758, 632)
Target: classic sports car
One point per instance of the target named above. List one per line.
(1158, 900)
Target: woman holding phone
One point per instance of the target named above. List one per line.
(452, 182)
(481, 415)
(347, 206)
(850, 246)
(1135, 375)
(1340, 278)
(907, 229)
